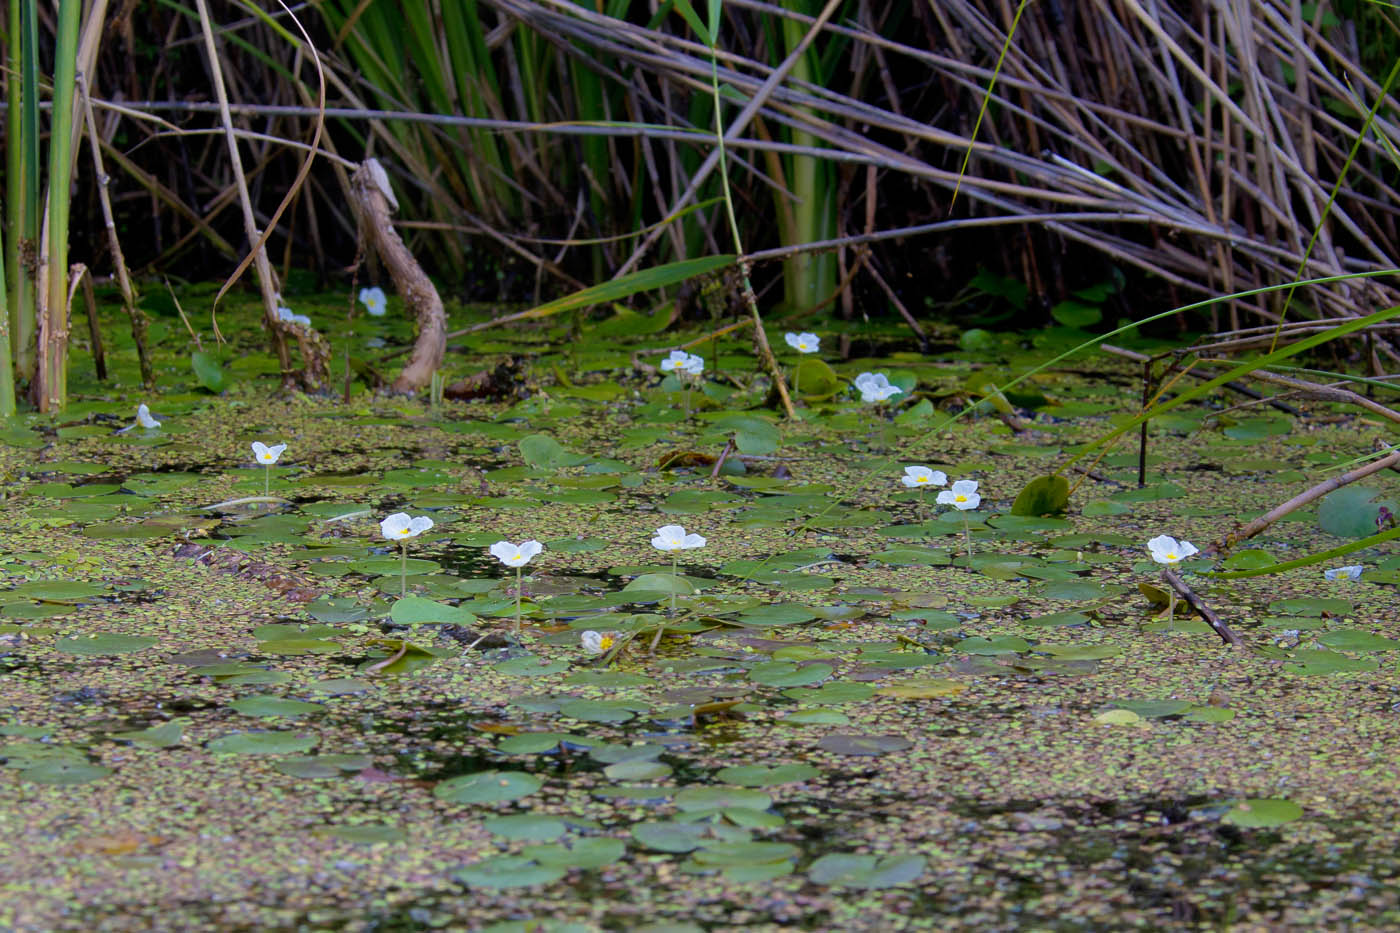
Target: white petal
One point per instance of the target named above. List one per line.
(693, 540)
(395, 525)
(418, 525)
(530, 548)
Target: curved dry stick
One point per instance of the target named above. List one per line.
(409, 278)
(1226, 634)
(1300, 500)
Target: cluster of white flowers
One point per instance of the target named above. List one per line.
(285, 315)
(374, 301)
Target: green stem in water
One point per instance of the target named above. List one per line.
(267, 478)
(797, 382)
(403, 569)
(675, 573)
(518, 572)
(967, 537)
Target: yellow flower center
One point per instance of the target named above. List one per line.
(961, 497)
(517, 556)
(605, 642)
(1171, 555)
(921, 479)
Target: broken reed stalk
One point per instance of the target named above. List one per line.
(79, 273)
(1179, 586)
(1300, 500)
(367, 187)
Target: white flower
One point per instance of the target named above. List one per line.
(684, 363)
(1167, 550)
(1349, 572)
(803, 342)
(597, 642)
(963, 495)
(143, 417)
(286, 316)
(676, 360)
(674, 538)
(267, 455)
(374, 301)
(399, 526)
(515, 555)
(875, 387)
(917, 476)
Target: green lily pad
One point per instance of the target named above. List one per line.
(1262, 813)
(530, 827)
(487, 787)
(262, 743)
(415, 610)
(761, 776)
(64, 772)
(509, 871)
(103, 644)
(1354, 640)
(788, 674)
(865, 871)
(579, 853)
(266, 706)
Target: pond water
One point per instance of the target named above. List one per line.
(851, 708)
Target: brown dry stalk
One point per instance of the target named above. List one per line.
(1226, 634)
(409, 278)
(1300, 500)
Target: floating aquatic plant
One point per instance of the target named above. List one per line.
(684, 364)
(598, 642)
(1349, 572)
(144, 418)
(267, 456)
(875, 387)
(803, 343)
(920, 477)
(400, 527)
(517, 556)
(673, 538)
(962, 496)
(374, 301)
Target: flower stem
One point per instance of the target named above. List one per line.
(675, 574)
(797, 382)
(403, 569)
(518, 572)
(267, 479)
(967, 537)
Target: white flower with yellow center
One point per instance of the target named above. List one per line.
(917, 477)
(374, 301)
(963, 495)
(598, 642)
(1167, 550)
(515, 555)
(399, 526)
(266, 455)
(803, 342)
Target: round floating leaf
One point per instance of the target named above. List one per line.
(262, 743)
(1155, 709)
(529, 827)
(596, 710)
(847, 744)
(208, 370)
(1311, 606)
(839, 692)
(389, 566)
(1057, 619)
(544, 452)
(1044, 495)
(488, 787)
(1249, 559)
(509, 871)
(1354, 640)
(63, 772)
(415, 610)
(103, 644)
(57, 590)
(723, 854)
(580, 853)
(1311, 663)
(637, 770)
(264, 706)
(1004, 644)
(913, 557)
(816, 717)
(531, 743)
(530, 666)
(661, 584)
(162, 736)
(760, 776)
(1081, 652)
(1262, 813)
(719, 798)
(787, 674)
(1352, 511)
(669, 836)
(866, 871)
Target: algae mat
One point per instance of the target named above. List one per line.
(227, 718)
